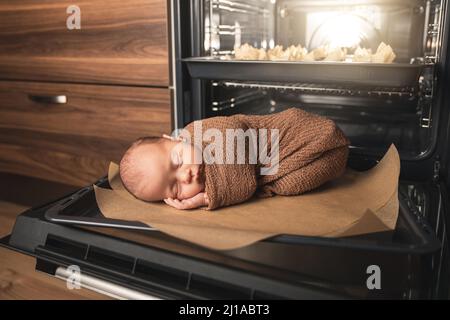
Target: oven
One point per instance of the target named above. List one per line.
(375, 105)
(404, 101)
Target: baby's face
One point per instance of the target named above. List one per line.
(168, 171)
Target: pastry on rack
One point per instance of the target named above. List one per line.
(317, 54)
(262, 55)
(384, 54)
(336, 54)
(297, 53)
(362, 55)
(248, 52)
(293, 53)
(277, 53)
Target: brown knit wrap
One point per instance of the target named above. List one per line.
(312, 150)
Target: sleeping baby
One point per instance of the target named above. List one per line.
(286, 153)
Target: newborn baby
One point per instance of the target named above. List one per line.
(308, 151)
(155, 169)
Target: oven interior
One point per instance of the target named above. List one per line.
(372, 116)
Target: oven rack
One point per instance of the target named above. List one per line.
(339, 90)
(242, 99)
(239, 7)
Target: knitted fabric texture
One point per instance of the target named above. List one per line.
(312, 151)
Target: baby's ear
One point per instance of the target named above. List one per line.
(166, 136)
(179, 138)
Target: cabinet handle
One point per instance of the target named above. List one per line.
(61, 99)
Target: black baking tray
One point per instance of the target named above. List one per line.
(411, 236)
(351, 73)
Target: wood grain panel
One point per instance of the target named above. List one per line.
(75, 170)
(8, 214)
(90, 147)
(73, 143)
(120, 42)
(122, 113)
(18, 279)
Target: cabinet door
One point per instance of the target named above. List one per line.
(69, 133)
(119, 42)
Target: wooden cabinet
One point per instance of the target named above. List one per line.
(71, 100)
(120, 42)
(69, 133)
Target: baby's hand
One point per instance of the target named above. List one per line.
(197, 201)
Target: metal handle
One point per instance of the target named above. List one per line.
(101, 286)
(59, 99)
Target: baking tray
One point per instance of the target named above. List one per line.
(411, 236)
(356, 73)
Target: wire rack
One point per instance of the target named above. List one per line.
(339, 90)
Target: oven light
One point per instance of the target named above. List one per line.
(345, 31)
(343, 28)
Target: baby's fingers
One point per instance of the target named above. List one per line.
(171, 202)
(168, 202)
(188, 203)
(175, 203)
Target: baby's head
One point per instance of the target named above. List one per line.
(155, 168)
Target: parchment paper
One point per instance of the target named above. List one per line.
(356, 203)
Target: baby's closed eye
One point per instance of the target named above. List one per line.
(176, 158)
